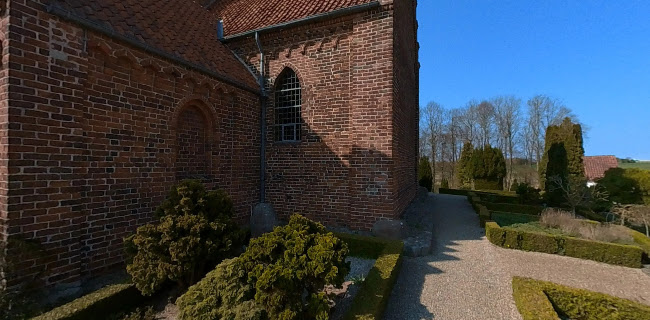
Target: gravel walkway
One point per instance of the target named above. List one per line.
(468, 278)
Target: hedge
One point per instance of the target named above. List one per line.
(457, 192)
(515, 208)
(97, 305)
(483, 215)
(542, 300)
(642, 241)
(509, 218)
(372, 298)
(612, 253)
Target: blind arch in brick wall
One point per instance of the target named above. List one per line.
(193, 133)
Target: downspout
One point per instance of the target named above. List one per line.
(263, 98)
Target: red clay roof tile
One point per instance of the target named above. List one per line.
(246, 15)
(180, 27)
(595, 166)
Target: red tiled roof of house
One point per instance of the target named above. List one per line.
(246, 15)
(179, 27)
(595, 166)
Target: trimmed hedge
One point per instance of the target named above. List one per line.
(612, 253)
(515, 208)
(539, 300)
(370, 303)
(509, 218)
(97, 305)
(642, 241)
(483, 215)
(457, 192)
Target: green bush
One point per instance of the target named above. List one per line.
(527, 193)
(483, 215)
(281, 275)
(531, 301)
(223, 294)
(515, 208)
(488, 168)
(625, 255)
(617, 254)
(372, 298)
(627, 186)
(425, 176)
(510, 218)
(457, 192)
(539, 300)
(194, 234)
(444, 183)
(97, 305)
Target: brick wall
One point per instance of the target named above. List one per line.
(97, 133)
(406, 70)
(346, 169)
(4, 128)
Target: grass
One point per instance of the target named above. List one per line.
(535, 226)
(509, 218)
(639, 165)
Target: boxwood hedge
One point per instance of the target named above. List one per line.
(541, 300)
(97, 305)
(617, 254)
(372, 298)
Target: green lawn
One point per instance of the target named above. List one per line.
(638, 165)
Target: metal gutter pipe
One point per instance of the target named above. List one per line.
(263, 98)
(310, 19)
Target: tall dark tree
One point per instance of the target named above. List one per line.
(425, 176)
(488, 168)
(562, 159)
(464, 166)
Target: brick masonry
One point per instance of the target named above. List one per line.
(93, 132)
(357, 160)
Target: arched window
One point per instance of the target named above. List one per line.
(288, 102)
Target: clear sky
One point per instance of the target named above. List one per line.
(594, 55)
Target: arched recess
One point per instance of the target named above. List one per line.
(194, 141)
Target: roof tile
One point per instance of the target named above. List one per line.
(179, 27)
(246, 15)
(595, 166)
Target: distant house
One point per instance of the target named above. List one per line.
(596, 166)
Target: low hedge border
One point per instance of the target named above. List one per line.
(100, 304)
(515, 208)
(372, 298)
(457, 192)
(617, 254)
(538, 300)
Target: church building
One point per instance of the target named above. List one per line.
(309, 106)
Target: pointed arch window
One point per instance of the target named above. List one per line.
(288, 105)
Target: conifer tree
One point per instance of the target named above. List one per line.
(488, 168)
(425, 178)
(563, 158)
(463, 166)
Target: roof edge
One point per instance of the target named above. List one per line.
(315, 18)
(92, 25)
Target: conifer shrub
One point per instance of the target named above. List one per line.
(194, 233)
(488, 168)
(425, 175)
(281, 275)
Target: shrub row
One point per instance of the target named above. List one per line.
(515, 208)
(538, 300)
(624, 255)
(97, 305)
(510, 218)
(372, 298)
(458, 192)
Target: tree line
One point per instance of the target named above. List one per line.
(515, 127)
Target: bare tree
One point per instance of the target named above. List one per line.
(485, 118)
(635, 214)
(576, 193)
(433, 123)
(468, 122)
(508, 117)
(543, 111)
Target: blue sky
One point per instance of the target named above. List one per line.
(592, 55)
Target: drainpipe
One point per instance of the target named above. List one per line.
(262, 122)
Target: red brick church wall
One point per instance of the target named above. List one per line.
(350, 168)
(97, 133)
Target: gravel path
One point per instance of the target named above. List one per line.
(468, 278)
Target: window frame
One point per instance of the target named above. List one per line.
(288, 87)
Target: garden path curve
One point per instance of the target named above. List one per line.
(467, 277)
